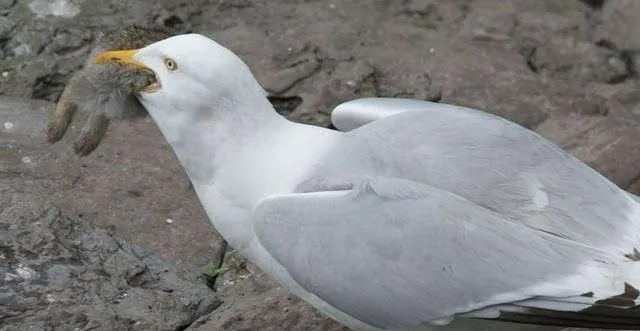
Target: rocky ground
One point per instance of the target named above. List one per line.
(568, 69)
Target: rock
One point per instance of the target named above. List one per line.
(5, 27)
(291, 72)
(489, 25)
(275, 310)
(432, 13)
(255, 301)
(633, 58)
(618, 19)
(349, 80)
(622, 100)
(579, 61)
(526, 23)
(57, 273)
(503, 85)
(609, 145)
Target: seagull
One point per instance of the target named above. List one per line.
(447, 218)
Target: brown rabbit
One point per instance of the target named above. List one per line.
(105, 91)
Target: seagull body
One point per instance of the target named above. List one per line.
(445, 218)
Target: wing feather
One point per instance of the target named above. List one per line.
(462, 212)
(395, 253)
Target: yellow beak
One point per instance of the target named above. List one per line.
(123, 56)
(126, 56)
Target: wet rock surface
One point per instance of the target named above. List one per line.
(567, 69)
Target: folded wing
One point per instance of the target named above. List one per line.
(396, 253)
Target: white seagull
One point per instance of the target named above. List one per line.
(447, 218)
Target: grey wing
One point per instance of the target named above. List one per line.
(395, 253)
(355, 113)
(496, 164)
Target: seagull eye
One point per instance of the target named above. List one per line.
(171, 64)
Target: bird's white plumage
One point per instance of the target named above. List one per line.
(440, 212)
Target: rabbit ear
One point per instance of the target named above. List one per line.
(63, 112)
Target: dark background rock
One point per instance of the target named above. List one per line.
(567, 69)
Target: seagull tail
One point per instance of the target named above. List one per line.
(613, 312)
(551, 312)
(614, 303)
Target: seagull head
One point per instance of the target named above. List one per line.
(194, 75)
(204, 97)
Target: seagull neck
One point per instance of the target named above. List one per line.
(202, 142)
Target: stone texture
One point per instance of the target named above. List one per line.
(580, 61)
(254, 302)
(607, 144)
(618, 19)
(57, 273)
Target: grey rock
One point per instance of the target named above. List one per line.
(5, 27)
(291, 72)
(633, 61)
(580, 61)
(432, 13)
(503, 85)
(526, 23)
(608, 144)
(489, 25)
(348, 80)
(57, 273)
(622, 100)
(275, 310)
(254, 302)
(617, 22)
